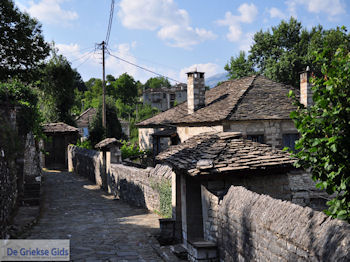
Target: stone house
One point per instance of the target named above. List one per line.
(257, 107)
(83, 121)
(213, 162)
(59, 136)
(164, 98)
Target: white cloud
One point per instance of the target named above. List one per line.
(248, 13)
(331, 7)
(50, 11)
(209, 69)
(246, 42)
(172, 23)
(276, 13)
(89, 62)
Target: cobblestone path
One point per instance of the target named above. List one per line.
(99, 227)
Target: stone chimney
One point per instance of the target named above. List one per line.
(195, 91)
(305, 88)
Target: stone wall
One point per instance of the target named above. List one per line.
(250, 227)
(294, 185)
(87, 163)
(186, 132)
(8, 193)
(137, 186)
(273, 130)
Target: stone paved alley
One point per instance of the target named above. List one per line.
(99, 227)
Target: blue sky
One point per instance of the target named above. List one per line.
(169, 36)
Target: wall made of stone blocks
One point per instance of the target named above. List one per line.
(186, 132)
(138, 186)
(295, 185)
(86, 163)
(272, 130)
(134, 185)
(253, 227)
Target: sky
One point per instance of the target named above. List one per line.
(170, 37)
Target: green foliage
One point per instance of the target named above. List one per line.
(163, 187)
(124, 88)
(239, 66)
(97, 132)
(324, 146)
(130, 150)
(157, 82)
(57, 88)
(15, 93)
(84, 144)
(22, 44)
(285, 50)
(145, 111)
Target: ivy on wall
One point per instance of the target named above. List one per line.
(163, 187)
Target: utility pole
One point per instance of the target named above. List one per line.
(104, 124)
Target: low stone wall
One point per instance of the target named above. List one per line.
(149, 188)
(86, 163)
(140, 187)
(250, 227)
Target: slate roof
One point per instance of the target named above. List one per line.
(59, 127)
(108, 142)
(248, 98)
(213, 153)
(86, 117)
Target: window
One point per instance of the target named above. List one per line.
(288, 140)
(164, 95)
(86, 131)
(256, 138)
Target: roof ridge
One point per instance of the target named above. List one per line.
(241, 98)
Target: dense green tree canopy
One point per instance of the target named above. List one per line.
(125, 88)
(282, 52)
(97, 132)
(324, 146)
(157, 82)
(22, 44)
(57, 85)
(239, 66)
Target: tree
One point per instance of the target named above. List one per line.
(282, 52)
(97, 132)
(57, 85)
(22, 44)
(125, 89)
(324, 146)
(157, 82)
(239, 66)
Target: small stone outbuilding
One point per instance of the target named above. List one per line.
(59, 136)
(213, 162)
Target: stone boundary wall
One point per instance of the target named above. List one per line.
(137, 186)
(86, 163)
(252, 227)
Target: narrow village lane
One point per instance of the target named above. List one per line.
(99, 227)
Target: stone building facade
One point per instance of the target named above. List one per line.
(257, 107)
(165, 98)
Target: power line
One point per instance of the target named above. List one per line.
(83, 56)
(146, 60)
(143, 68)
(88, 58)
(110, 22)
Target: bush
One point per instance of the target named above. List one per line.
(84, 144)
(130, 150)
